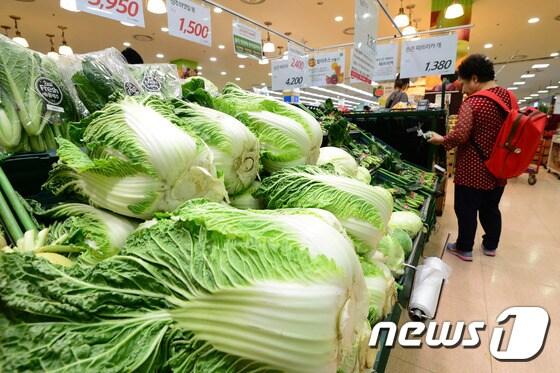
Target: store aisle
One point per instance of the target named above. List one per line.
(526, 271)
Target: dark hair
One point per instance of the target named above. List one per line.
(400, 83)
(479, 65)
(132, 57)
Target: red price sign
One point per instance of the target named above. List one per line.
(129, 11)
(192, 27)
(190, 21)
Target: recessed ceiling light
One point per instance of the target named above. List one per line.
(126, 44)
(199, 73)
(221, 46)
(263, 84)
(160, 55)
(237, 79)
(534, 95)
(534, 20)
(218, 10)
(527, 76)
(554, 54)
(270, 74)
(518, 83)
(527, 97)
(199, 67)
(213, 59)
(488, 45)
(339, 18)
(223, 73)
(164, 29)
(543, 91)
(241, 66)
(552, 87)
(540, 66)
(513, 88)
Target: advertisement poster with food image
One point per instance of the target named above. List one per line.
(327, 68)
(438, 20)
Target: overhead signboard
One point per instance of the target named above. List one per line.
(385, 62)
(429, 56)
(365, 33)
(327, 68)
(127, 11)
(190, 21)
(247, 40)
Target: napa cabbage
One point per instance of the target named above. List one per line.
(390, 252)
(382, 289)
(343, 162)
(235, 149)
(137, 162)
(363, 210)
(363, 175)
(408, 221)
(404, 240)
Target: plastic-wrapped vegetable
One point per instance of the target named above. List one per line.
(158, 78)
(101, 76)
(32, 99)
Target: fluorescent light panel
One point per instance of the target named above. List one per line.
(338, 94)
(350, 88)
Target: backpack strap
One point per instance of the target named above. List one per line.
(492, 96)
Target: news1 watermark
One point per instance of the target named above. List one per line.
(523, 341)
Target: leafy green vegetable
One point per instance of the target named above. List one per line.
(362, 209)
(390, 252)
(211, 289)
(382, 289)
(407, 221)
(158, 78)
(138, 162)
(246, 200)
(404, 240)
(234, 147)
(363, 175)
(343, 162)
(199, 90)
(100, 234)
(235, 101)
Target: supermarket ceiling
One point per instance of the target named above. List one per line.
(310, 21)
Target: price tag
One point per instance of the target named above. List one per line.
(430, 56)
(130, 11)
(365, 32)
(385, 62)
(287, 77)
(189, 21)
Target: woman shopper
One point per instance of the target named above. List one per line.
(399, 94)
(477, 191)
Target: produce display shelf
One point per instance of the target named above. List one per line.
(406, 282)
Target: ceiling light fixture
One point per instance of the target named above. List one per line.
(335, 93)
(350, 88)
(52, 53)
(164, 29)
(218, 10)
(69, 5)
(527, 76)
(64, 48)
(534, 95)
(401, 19)
(269, 74)
(126, 44)
(199, 73)
(263, 84)
(540, 66)
(518, 83)
(552, 87)
(18, 38)
(554, 54)
(157, 7)
(199, 67)
(223, 73)
(213, 59)
(488, 45)
(221, 46)
(513, 88)
(237, 79)
(241, 66)
(455, 10)
(338, 18)
(543, 91)
(534, 20)
(160, 55)
(410, 29)
(268, 46)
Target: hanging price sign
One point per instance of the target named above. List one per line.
(430, 56)
(129, 11)
(289, 74)
(189, 21)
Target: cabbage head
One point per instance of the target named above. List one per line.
(408, 221)
(343, 162)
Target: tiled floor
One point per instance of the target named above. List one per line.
(526, 271)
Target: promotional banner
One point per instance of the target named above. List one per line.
(189, 21)
(129, 11)
(327, 68)
(385, 62)
(365, 33)
(429, 56)
(247, 40)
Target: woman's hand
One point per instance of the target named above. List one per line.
(436, 139)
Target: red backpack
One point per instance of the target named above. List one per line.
(517, 141)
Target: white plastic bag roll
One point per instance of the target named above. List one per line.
(427, 286)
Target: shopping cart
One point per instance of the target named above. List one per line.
(535, 165)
